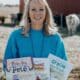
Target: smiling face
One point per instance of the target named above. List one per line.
(37, 11)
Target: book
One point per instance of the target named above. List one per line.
(20, 69)
(59, 68)
(42, 68)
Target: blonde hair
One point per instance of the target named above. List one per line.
(49, 24)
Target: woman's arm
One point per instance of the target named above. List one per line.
(61, 52)
(10, 51)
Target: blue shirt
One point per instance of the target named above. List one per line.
(37, 44)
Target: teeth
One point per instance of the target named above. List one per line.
(37, 18)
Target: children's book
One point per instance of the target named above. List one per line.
(20, 69)
(42, 68)
(59, 68)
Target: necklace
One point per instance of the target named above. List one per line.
(33, 46)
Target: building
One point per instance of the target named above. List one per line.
(60, 7)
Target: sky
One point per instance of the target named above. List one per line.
(9, 2)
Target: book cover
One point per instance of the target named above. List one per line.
(20, 69)
(42, 68)
(59, 68)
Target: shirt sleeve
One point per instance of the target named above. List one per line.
(61, 52)
(10, 51)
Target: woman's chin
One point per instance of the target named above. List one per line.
(37, 21)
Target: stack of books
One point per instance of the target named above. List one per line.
(51, 68)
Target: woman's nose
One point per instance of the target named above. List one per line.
(37, 11)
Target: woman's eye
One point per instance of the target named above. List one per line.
(33, 9)
(41, 9)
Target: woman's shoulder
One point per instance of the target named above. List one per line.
(56, 36)
(16, 32)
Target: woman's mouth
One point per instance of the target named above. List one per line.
(37, 18)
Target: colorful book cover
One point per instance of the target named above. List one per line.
(42, 68)
(20, 69)
(59, 68)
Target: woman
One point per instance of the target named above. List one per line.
(38, 36)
